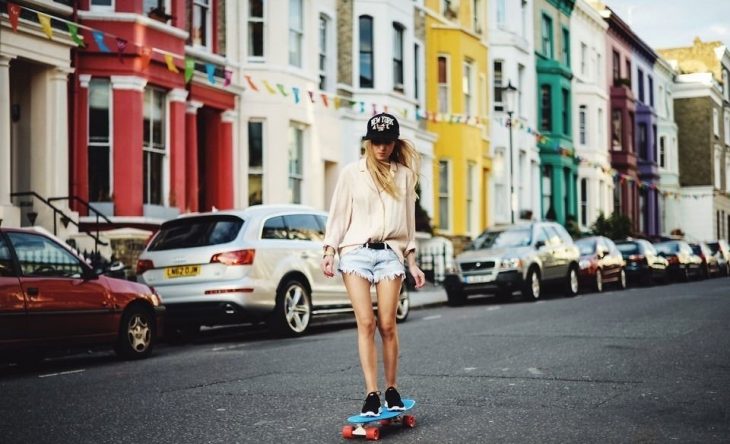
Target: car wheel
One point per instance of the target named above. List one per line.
(136, 333)
(455, 296)
(533, 287)
(293, 309)
(571, 282)
(684, 274)
(404, 305)
(599, 281)
(705, 272)
(622, 280)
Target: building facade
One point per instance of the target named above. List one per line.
(559, 166)
(590, 110)
(511, 62)
(456, 101)
(667, 155)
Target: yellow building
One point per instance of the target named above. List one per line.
(457, 89)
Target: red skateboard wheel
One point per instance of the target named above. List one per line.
(409, 421)
(372, 434)
(347, 432)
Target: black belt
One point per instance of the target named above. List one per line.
(376, 245)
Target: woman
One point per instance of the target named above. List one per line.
(371, 226)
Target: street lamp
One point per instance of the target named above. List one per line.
(509, 96)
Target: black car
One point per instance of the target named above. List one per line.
(643, 263)
(721, 250)
(683, 263)
(710, 264)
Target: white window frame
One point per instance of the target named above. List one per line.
(715, 122)
(164, 184)
(257, 171)
(599, 127)
(399, 46)
(583, 125)
(468, 85)
(727, 173)
(323, 63)
(208, 6)
(444, 88)
(501, 13)
(477, 16)
(110, 142)
(296, 58)
(727, 127)
(471, 193)
(520, 89)
(444, 196)
(583, 57)
(717, 167)
(296, 177)
(662, 154)
(250, 20)
(102, 8)
(498, 84)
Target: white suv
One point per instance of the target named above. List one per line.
(258, 264)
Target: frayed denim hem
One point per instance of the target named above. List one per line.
(391, 276)
(356, 273)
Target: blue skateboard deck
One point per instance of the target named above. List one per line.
(386, 417)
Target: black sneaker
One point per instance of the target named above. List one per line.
(372, 405)
(392, 400)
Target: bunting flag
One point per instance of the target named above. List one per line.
(170, 62)
(324, 100)
(311, 95)
(269, 88)
(295, 90)
(45, 22)
(145, 57)
(251, 84)
(210, 70)
(13, 15)
(337, 102)
(189, 69)
(282, 90)
(99, 39)
(73, 29)
(121, 47)
(227, 77)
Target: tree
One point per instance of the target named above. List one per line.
(616, 226)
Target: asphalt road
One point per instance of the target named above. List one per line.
(642, 365)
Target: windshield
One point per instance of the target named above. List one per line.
(498, 239)
(198, 231)
(714, 246)
(628, 248)
(667, 248)
(586, 246)
(696, 248)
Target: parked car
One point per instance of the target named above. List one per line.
(683, 263)
(721, 250)
(644, 264)
(710, 265)
(50, 298)
(516, 257)
(257, 264)
(600, 262)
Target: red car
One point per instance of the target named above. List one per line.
(600, 262)
(50, 298)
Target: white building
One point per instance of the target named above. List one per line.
(512, 60)
(590, 108)
(667, 155)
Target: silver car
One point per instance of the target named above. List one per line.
(258, 264)
(515, 258)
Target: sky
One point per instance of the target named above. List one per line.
(673, 23)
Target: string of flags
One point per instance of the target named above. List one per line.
(102, 40)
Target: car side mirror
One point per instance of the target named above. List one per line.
(89, 274)
(539, 244)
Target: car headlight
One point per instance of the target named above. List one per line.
(509, 264)
(584, 263)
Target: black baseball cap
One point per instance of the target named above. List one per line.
(382, 128)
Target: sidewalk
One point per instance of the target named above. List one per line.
(428, 295)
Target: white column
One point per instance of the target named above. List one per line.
(10, 215)
(58, 114)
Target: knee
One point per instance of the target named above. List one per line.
(366, 326)
(388, 329)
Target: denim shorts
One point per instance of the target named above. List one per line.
(373, 265)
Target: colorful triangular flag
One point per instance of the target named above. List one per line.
(45, 22)
(99, 39)
(189, 69)
(171, 64)
(13, 15)
(210, 70)
(73, 29)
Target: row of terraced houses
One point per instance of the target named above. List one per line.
(521, 110)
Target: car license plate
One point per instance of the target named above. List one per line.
(182, 271)
(478, 279)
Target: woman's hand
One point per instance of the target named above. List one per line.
(328, 265)
(418, 275)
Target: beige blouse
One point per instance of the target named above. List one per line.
(359, 213)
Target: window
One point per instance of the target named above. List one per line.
(443, 80)
(467, 86)
(39, 256)
(616, 67)
(727, 128)
(304, 227)
(640, 81)
(546, 123)
(653, 144)
(367, 78)
(630, 133)
(616, 130)
(726, 83)
(255, 162)
(650, 80)
(628, 72)
(582, 125)
(583, 57)
(718, 156)
(476, 6)
(296, 160)
(498, 105)
(643, 142)
(600, 125)
(566, 112)
(398, 57)
(715, 123)
(547, 193)
(599, 69)
(501, 13)
(520, 84)
(7, 268)
(200, 31)
(727, 173)
(565, 56)
(256, 22)
(444, 187)
(197, 231)
(150, 5)
(523, 21)
(99, 168)
(547, 36)
(584, 201)
(102, 4)
(275, 228)
(417, 72)
(470, 201)
(296, 32)
(662, 152)
(154, 145)
(324, 22)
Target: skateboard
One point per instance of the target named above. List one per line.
(358, 423)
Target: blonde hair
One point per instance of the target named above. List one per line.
(403, 153)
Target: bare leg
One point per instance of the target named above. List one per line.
(388, 294)
(358, 289)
